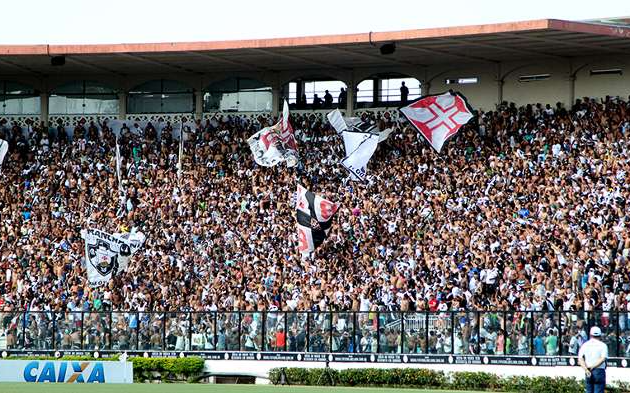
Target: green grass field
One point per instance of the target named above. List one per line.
(177, 388)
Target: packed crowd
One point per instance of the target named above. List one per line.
(527, 209)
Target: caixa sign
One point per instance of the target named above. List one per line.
(59, 371)
(69, 372)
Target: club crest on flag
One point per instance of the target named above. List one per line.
(106, 255)
(314, 219)
(102, 257)
(438, 117)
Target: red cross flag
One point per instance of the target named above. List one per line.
(438, 117)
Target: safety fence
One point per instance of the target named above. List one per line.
(457, 333)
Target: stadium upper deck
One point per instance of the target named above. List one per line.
(533, 61)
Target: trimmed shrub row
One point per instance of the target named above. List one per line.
(167, 369)
(430, 379)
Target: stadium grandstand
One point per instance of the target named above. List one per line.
(512, 241)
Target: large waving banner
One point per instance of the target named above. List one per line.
(314, 219)
(438, 117)
(108, 254)
(275, 144)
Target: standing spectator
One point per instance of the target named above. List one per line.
(328, 100)
(592, 358)
(404, 93)
(343, 96)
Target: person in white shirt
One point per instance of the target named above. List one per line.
(592, 358)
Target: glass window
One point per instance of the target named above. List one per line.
(18, 99)
(390, 89)
(320, 87)
(83, 97)
(161, 96)
(292, 93)
(237, 95)
(365, 91)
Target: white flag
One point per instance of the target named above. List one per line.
(4, 147)
(356, 162)
(118, 163)
(360, 140)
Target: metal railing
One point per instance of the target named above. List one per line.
(458, 333)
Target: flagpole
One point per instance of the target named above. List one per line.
(120, 186)
(180, 154)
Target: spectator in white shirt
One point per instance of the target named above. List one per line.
(592, 358)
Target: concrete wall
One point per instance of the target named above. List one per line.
(480, 95)
(260, 369)
(602, 85)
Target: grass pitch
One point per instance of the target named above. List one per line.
(184, 388)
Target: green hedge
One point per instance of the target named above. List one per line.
(423, 378)
(168, 368)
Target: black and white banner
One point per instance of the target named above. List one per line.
(106, 254)
(360, 140)
(314, 219)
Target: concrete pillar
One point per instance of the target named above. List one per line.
(275, 100)
(198, 103)
(426, 88)
(376, 92)
(500, 83)
(299, 90)
(122, 105)
(43, 113)
(572, 79)
(351, 97)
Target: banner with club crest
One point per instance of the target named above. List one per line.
(107, 254)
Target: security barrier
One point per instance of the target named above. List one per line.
(422, 335)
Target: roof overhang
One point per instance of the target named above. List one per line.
(492, 43)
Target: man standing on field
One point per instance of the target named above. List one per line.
(592, 358)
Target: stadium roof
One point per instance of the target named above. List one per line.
(542, 39)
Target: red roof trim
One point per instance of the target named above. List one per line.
(540, 24)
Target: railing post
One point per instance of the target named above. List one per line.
(308, 332)
(82, 323)
(23, 330)
(286, 331)
(214, 331)
(240, 327)
(263, 340)
(137, 331)
(190, 322)
(109, 327)
(330, 339)
(378, 332)
(618, 332)
(531, 333)
(163, 346)
(354, 333)
(402, 332)
(478, 349)
(426, 333)
(452, 333)
(54, 331)
(560, 345)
